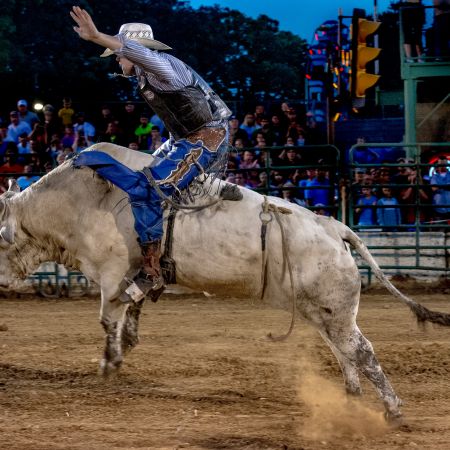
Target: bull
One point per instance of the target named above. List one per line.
(76, 218)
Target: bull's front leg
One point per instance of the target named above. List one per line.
(130, 337)
(112, 318)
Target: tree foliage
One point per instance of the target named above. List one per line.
(42, 57)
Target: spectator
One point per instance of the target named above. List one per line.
(277, 129)
(248, 160)
(290, 157)
(318, 195)
(16, 128)
(10, 166)
(66, 113)
(133, 145)
(249, 126)
(383, 179)
(84, 129)
(388, 212)
(53, 150)
(413, 19)
(113, 134)
(366, 210)
(310, 175)
(156, 140)
(143, 131)
(27, 179)
(231, 178)
(24, 147)
(129, 120)
(235, 132)
(440, 186)
(442, 27)
(80, 143)
(51, 125)
(239, 144)
(63, 155)
(105, 118)
(68, 137)
(277, 179)
(412, 195)
(264, 183)
(265, 131)
(240, 180)
(26, 116)
(155, 120)
(35, 162)
(288, 194)
(259, 114)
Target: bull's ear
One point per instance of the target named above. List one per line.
(13, 186)
(7, 234)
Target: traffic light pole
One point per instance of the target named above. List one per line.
(410, 86)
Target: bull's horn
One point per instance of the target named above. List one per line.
(13, 186)
(7, 234)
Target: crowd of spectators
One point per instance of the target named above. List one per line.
(396, 198)
(32, 144)
(280, 152)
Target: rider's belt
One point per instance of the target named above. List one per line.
(212, 137)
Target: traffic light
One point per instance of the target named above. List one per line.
(361, 80)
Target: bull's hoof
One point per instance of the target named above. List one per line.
(353, 391)
(394, 419)
(129, 343)
(109, 369)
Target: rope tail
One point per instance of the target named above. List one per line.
(422, 313)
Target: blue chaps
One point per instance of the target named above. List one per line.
(181, 161)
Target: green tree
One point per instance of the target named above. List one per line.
(42, 57)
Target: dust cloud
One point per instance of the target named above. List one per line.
(332, 413)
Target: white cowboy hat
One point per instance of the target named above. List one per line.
(139, 32)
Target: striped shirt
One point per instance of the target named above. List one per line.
(162, 71)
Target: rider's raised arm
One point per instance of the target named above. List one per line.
(87, 30)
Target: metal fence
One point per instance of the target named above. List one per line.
(420, 245)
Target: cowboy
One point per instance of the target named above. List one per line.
(195, 116)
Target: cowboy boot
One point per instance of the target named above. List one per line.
(151, 269)
(149, 280)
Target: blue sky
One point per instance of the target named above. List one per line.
(298, 16)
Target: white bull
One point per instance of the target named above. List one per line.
(74, 217)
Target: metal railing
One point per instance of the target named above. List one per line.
(342, 204)
(419, 243)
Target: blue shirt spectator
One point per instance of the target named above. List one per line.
(441, 193)
(249, 126)
(366, 210)
(389, 213)
(315, 196)
(16, 128)
(26, 116)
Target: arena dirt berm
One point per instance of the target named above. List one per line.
(204, 376)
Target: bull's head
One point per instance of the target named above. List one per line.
(7, 225)
(7, 233)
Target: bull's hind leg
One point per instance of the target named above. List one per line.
(349, 371)
(359, 352)
(112, 318)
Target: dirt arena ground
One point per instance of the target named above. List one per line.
(205, 377)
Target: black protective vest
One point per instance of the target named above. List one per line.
(188, 109)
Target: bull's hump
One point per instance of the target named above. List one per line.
(131, 158)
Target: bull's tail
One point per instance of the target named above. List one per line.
(422, 314)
